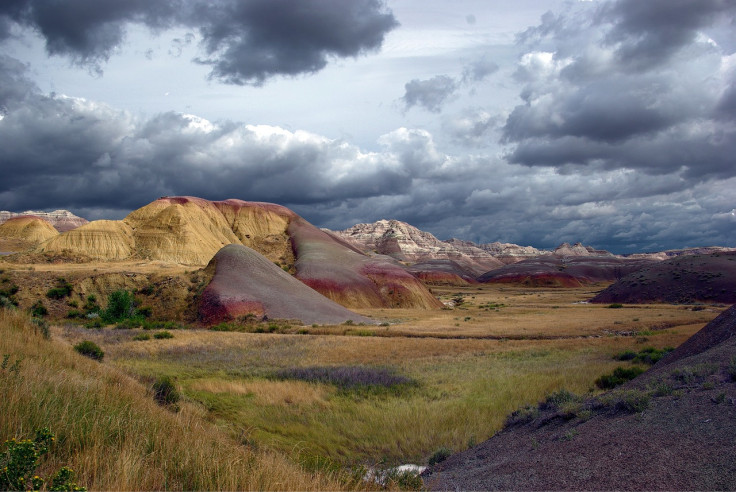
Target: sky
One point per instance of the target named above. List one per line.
(534, 122)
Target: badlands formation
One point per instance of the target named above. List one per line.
(190, 231)
(385, 264)
(27, 228)
(61, 220)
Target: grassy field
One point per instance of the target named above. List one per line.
(114, 436)
(469, 367)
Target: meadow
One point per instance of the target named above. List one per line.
(459, 372)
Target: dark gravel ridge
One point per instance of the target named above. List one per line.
(672, 428)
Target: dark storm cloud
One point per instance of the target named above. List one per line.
(646, 34)
(246, 42)
(70, 152)
(251, 41)
(430, 94)
(627, 85)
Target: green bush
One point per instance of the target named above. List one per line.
(615, 305)
(142, 337)
(62, 289)
(165, 391)
(90, 349)
(21, 458)
(119, 306)
(38, 309)
(618, 377)
(160, 335)
(439, 456)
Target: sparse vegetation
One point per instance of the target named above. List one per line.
(165, 391)
(618, 377)
(90, 349)
(647, 355)
(62, 289)
(349, 377)
(631, 401)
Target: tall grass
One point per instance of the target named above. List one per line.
(110, 431)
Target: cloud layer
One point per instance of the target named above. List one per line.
(620, 134)
(245, 42)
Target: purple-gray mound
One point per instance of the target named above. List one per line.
(564, 272)
(247, 283)
(684, 280)
(671, 428)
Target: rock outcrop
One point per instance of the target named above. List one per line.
(190, 230)
(409, 244)
(671, 428)
(27, 228)
(61, 220)
(247, 283)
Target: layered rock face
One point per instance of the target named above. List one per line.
(247, 283)
(190, 230)
(407, 243)
(61, 220)
(504, 252)
(27, 228)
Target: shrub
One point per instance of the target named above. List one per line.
(632, 401)
(626, 355)
(90, 349)
(21, 458)
(62, 289)
(439, 456)
(145, 311)
(165, 391)
(615, 305)
(38, 309)
(618, 377)
(522, 416)
(119, 306)
(74, 313)
(160, 335)
(141, 337)
(732, 369)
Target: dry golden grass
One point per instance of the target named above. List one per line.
(268, 392)
(114, 436)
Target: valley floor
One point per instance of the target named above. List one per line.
(468, 366)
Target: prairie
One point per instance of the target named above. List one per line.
(470, 366)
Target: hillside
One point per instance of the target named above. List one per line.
(113, 435)
(28, 229)
(669, 429)
(190, 231)
(246, 283)
(557, 271)
(682, 279)
(61, 220)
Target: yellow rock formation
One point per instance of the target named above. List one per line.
(27, 228)
(101, 239)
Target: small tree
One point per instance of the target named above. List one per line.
(119, 306)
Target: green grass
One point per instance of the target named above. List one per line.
(111, 432)
(456, 399)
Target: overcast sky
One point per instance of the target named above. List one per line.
(610, 122)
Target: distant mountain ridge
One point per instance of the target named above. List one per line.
(408, 243)
(62, 220)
